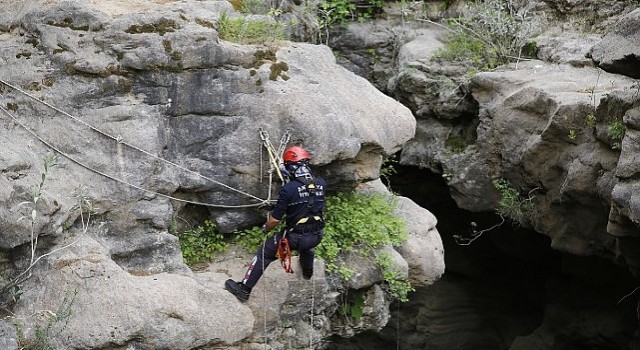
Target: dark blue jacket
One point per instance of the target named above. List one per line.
(293, 199)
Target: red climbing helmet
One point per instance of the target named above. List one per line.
(295, 154)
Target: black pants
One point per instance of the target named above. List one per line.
(303, 243)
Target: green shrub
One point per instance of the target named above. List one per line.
(616, 131)
(463, 47)
(201, 243)
(398, 286)
(360, 223)
(387, 170)
(455, 143)
(332, 13)
(590, 119)
(243, 31)
(489, 35)
(512, 204)
(352, 308)
(250, 239)
(342, 11)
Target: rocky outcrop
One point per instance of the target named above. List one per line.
(153, 119)
(554, 142)
(618, 51)
(554, 128)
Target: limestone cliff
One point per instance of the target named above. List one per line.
(559, 127)
(555, 132)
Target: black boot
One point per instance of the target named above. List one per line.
(238, 289)
(307, 272)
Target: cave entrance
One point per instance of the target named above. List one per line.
(506, 290)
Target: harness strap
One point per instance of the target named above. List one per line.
(310, 208)
(306, 219)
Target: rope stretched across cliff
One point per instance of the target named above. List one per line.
(121, 141)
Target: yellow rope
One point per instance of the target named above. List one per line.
(273, 161)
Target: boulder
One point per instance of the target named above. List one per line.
(619, 50)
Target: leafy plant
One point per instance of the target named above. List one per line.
(399, 287)
(353, 308)
(455, 143)
(250, 239)
(331, 13)
(388, 169)
(491, 33)
(55, 324)
(616, 131)
(244, 31)
(50, 161)
(590, 119)
(339, 11)
(201, 243)
(11, 286)
(512, 204)
(463, 47)
(84, 205)
(360, 223)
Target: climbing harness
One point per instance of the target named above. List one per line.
(284, 253)
(311, 211)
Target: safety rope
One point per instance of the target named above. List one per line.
(264, 297)
(313, 303)
(46, 143)
(273, 162)
(275, 156)
(275, 159)
(120, 140)
(398, 326)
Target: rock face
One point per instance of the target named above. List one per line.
(618, 51)
(550, 138)
(559, 130)
(153, 118)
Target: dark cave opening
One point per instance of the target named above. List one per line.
(506, 290)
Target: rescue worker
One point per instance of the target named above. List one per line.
(301, 203)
